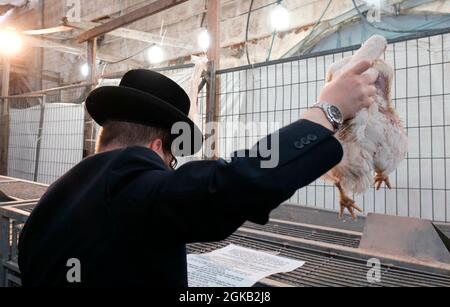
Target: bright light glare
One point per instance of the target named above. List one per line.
(10, 42)
(204, 40)
(155, 55)
(280, 18)
(85, 70)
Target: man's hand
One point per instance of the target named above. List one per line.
(353, 90)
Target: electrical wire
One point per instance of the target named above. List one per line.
(247, 31)
(274, 34)
(131, 56)
(316, 26)
(365, 20)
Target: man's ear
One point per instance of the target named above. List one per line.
(156, 146)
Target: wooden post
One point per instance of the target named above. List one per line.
(213, 19)
(4, 117)
(92, 60)
(42, 50)
(39, 138)
(213, 101)
(5, 78)
(89, 125)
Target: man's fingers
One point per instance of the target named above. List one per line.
(360, 68)
(371, 76)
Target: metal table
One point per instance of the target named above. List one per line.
(18, 189)
(13, 216)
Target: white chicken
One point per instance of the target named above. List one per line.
(375, 141)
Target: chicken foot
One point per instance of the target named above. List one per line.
(381, 178)
(347, 203)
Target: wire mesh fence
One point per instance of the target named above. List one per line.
(278, 92)
(46, 133)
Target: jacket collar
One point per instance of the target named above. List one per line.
(146, 153)
(135, 153)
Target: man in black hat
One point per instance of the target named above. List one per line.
(123, 217)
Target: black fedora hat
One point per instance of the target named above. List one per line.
(148, 98)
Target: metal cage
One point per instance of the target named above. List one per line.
(279, 91)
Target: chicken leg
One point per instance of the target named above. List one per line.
(381, 178)
(347, 203)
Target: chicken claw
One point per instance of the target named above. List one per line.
(351, 206)
(347, 203)
(380, 179)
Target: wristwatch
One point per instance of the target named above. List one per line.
(333, 114)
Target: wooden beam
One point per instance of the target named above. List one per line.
(67, 48)
(213, 101)
(4, 8)
(41, 93)
(92, 60)
(4, 117)
(143, 12)
(89, 125)
(41, 58)
(48, 31)
(140, 36)
(213, 20)
(6, 76)
(27, 71)
(25, 86)
(154, 39)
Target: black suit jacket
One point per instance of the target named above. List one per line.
(127, 218)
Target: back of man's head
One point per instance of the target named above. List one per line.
(115, 135)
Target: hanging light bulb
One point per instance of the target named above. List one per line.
(85, 70)
(10, 42)
(204, 40)
(279, 18)
(155, 55)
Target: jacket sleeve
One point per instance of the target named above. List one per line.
(210, 200)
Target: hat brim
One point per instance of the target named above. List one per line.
(125, 104)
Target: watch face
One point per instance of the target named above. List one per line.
(336, 114)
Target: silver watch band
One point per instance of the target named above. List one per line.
(325, 107)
